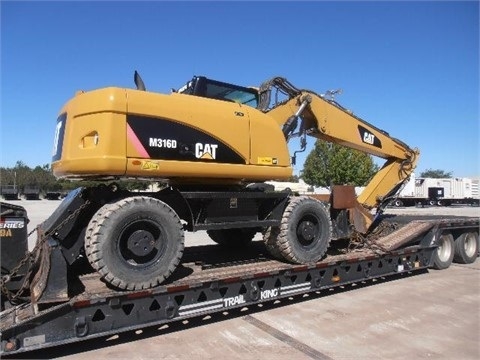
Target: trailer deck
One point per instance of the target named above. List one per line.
(213, 280)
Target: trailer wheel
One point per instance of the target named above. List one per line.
(443, 254)
(135, 243)
(466, 248)
(232, 237)
(398, 203)
(304, 233)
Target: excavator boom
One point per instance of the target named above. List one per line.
(318, 116)
(327, 120)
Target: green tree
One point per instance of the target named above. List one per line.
(329, 164)
(436, 173)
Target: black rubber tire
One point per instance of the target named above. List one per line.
(304, 233)
(466, 248)
(232, 237)
(270, 238)
(443, 254)
(135, 243)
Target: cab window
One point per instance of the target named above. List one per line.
(201, 86)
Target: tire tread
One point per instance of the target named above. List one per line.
(278, 242)
(98, 229)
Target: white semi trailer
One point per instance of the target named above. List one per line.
(438, 191)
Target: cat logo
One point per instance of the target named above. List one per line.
(206, 151)
(368, 138)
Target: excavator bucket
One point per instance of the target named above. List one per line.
(344, 197)
(49, 284)
(59, 242)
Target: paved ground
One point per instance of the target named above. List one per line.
(432, 315)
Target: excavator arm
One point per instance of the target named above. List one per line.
(323, 118)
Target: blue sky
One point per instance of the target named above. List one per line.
(410, 68)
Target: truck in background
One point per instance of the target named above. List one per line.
(9, 192)
(299, 187)
(31, 192)
(438, 191)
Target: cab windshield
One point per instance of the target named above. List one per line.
(201, 86)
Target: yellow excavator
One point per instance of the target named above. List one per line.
(212, 145)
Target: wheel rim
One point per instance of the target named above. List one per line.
(141, 243)
(444, 250)
(470, 244)
(308, 230)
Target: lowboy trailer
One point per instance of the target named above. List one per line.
(215, 280)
